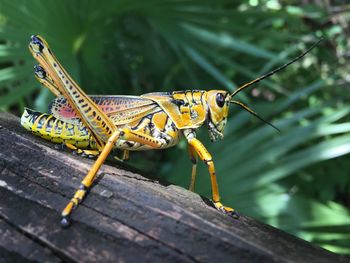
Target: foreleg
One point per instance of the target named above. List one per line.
(205, 156)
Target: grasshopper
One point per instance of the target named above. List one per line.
(95, 125)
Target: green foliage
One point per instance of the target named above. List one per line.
(296, 180)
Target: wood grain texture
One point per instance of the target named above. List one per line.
(125, 218)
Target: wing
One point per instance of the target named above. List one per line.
(120, 109)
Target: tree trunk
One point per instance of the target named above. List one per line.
(126, 217)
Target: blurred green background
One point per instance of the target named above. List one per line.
(297, 180)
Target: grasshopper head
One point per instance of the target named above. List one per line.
(218, 101)
(218, 104)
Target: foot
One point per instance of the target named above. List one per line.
(226, 210)
(65, 222)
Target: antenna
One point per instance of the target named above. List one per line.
(253, 113)
(276, 70)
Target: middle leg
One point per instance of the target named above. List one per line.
(193, 157)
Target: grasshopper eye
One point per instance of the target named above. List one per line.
(220, 100)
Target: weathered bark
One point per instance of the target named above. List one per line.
(125, 217)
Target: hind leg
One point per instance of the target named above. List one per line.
(87, 182)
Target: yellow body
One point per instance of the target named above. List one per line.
(159, 115)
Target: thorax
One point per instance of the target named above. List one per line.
(187, 109)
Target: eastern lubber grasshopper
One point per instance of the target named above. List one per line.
(97, 124)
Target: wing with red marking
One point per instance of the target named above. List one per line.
(121, 109)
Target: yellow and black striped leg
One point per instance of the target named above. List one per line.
(207, 159)
(125, 134)
(193, 157)
(58, 81)
(44, 78)
(88, 180)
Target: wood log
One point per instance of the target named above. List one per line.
(126, 217)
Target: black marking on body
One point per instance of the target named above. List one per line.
(202, 93)
(87, 110)
(57, 127)
(178, 102)
(41, 121)
(193, 101)
(173, 126)
(166, 123)
(141, 121)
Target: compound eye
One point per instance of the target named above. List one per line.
(220, 100)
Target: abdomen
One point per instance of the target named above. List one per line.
(52, 129)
